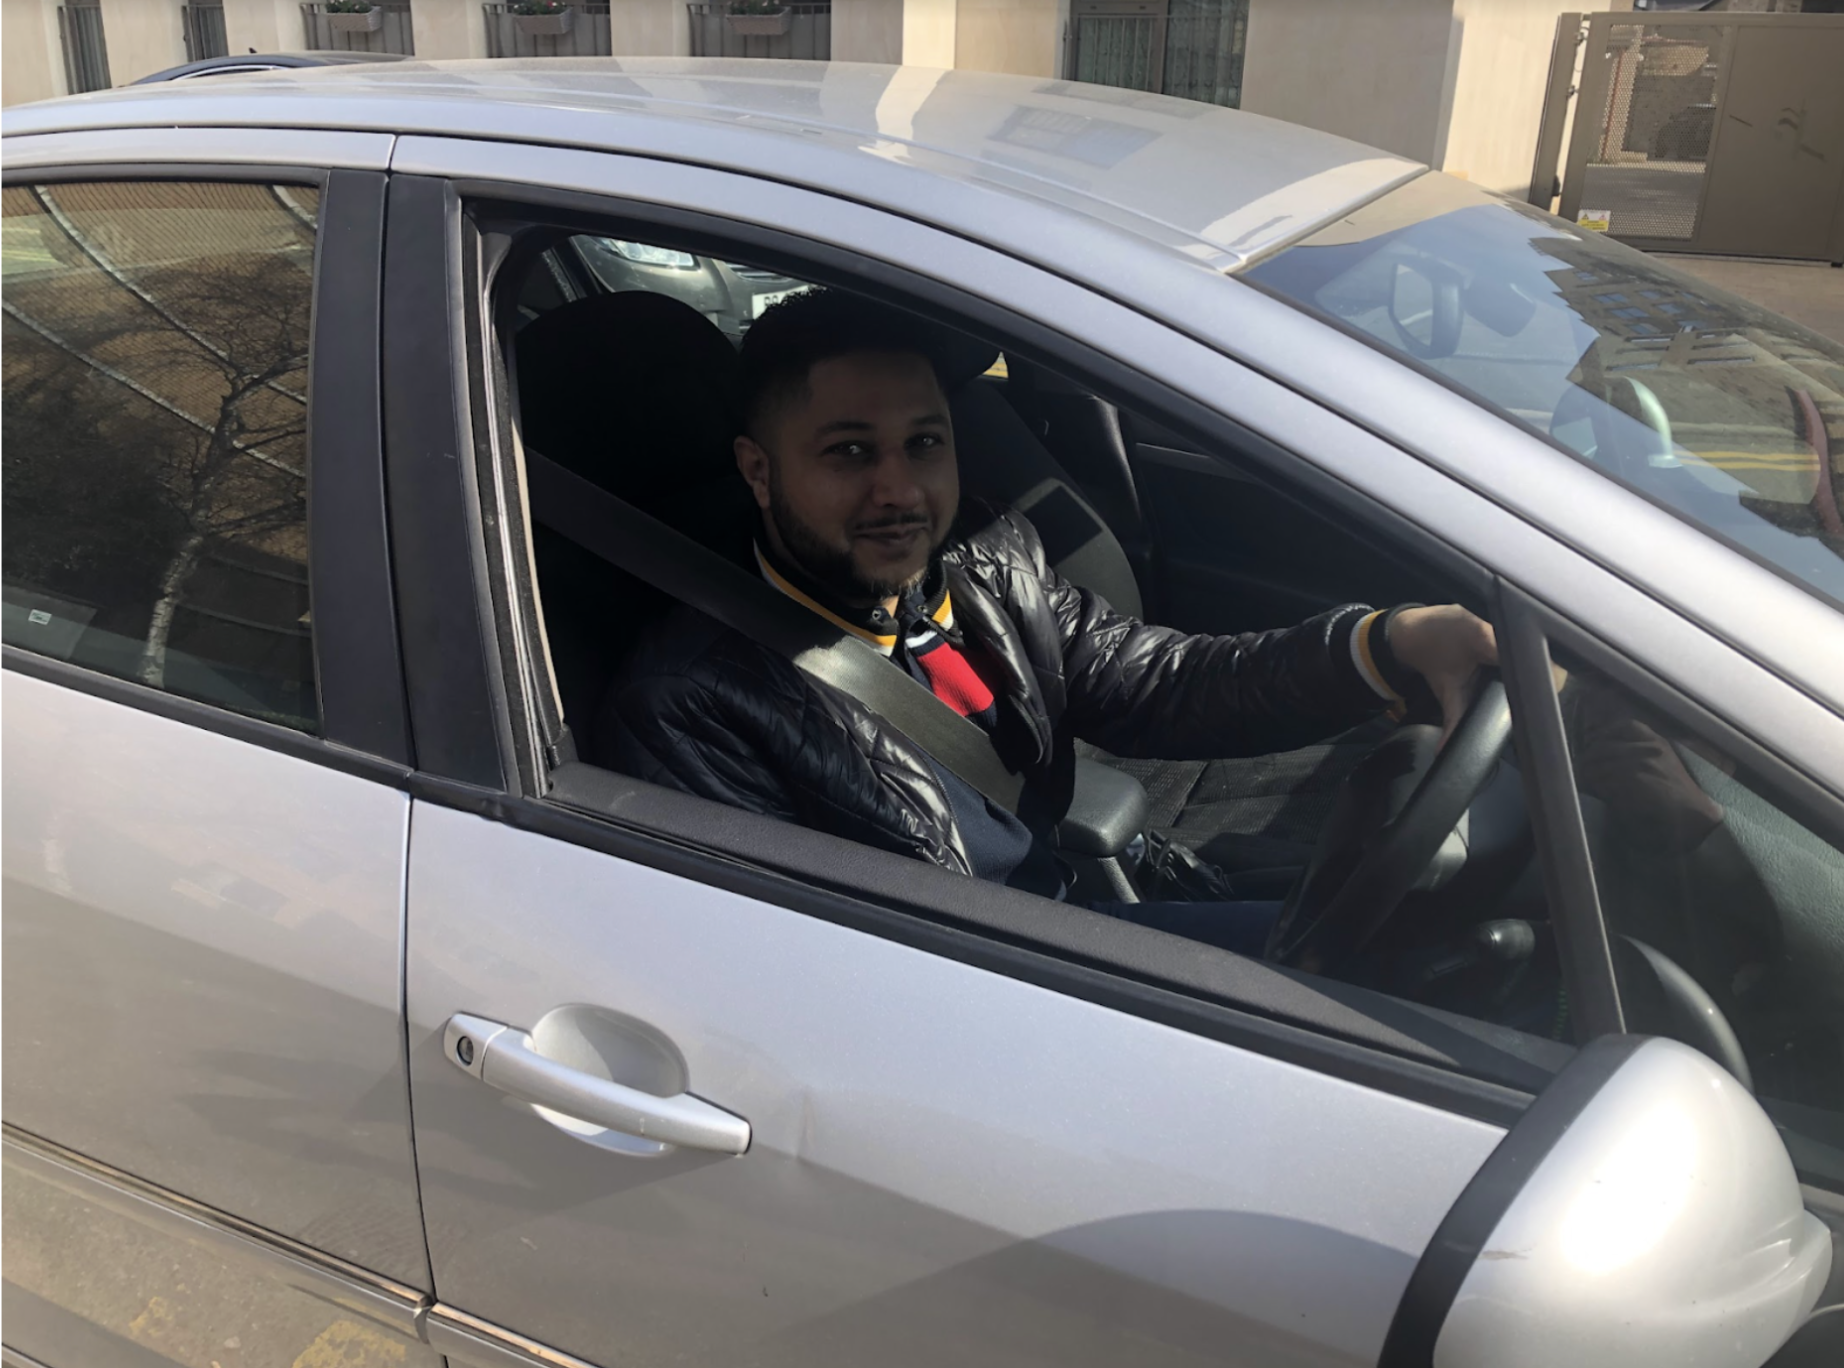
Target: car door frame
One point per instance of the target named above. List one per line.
(1243, 1002)
(357, 661)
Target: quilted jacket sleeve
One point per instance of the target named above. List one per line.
(711, 714)
(1157, 693)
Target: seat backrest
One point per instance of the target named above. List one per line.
(633, 391)
(1001, 459)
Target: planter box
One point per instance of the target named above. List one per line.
(545, 25)
(368, 22)
(759, 25)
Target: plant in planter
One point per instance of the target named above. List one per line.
(758, 18)
(354, 16)
(543, 18)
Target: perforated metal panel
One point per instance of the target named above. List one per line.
(1650, 145)
(1711, 132)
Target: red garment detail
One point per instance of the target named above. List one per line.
(954, 680)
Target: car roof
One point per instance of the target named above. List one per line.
(1222, 184)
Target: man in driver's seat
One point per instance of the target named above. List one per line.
(849, 450)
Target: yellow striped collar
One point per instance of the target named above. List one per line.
(943, 615)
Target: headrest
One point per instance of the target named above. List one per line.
(634, 391)
(959, 359)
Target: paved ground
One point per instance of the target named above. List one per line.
(1806, 292)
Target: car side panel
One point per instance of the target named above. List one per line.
(947, 1165)
(202, 971)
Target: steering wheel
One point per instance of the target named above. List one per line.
(1632, 431)
(1389, 820)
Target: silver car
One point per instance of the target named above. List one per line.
(354, 1015)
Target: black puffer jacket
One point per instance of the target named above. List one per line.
(702, 709)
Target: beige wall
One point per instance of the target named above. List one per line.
(1454, 83)
(31, 57)
(450, 28)
(648, 28)
(1498, 99)
(143, 36)
(867, 30)
(929, 28)
(1363, 69)
(266, 25)
(1020, 36)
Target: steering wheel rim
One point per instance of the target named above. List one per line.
(1329, 915)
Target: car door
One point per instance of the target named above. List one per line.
(207, 1138)
(974, 1127)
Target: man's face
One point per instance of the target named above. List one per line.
(856, 478)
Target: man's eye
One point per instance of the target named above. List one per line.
(925, 441)
(849, 451)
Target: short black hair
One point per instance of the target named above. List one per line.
(795, 334)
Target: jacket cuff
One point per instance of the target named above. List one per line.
(1403, 690)
(1359, 685)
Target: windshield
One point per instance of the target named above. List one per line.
(1728, 415)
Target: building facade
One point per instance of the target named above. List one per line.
(1455, 83)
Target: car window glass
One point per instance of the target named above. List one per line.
(1696, 864)
(730, 294)
(1728, 415)
(155, 414)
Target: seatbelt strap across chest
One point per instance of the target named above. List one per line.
(629, 539)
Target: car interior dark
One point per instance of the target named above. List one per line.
(1407, 867)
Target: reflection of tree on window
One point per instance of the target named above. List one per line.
(156, 419)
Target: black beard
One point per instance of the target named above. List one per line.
(827, 565)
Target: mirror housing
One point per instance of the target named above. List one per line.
(1643, 1211)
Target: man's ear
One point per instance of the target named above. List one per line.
(752, 461)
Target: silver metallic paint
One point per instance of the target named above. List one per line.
(1220, 182)
(396, 1307)
(229, 146)
(202, 949)
(1665, 1229)
(948, 1165)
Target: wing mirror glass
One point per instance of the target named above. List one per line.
(1644, 1210)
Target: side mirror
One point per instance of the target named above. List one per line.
(1643, 1211)
(1426, 308)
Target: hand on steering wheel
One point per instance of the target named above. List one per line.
(1388, 821)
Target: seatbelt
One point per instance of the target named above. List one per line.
(629, 539)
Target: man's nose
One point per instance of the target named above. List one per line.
(894, 483)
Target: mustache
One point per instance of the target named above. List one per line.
(892, 524)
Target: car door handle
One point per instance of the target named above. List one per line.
(504, 1057)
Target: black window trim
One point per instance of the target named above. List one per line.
(357, 667)
(1380, 1061)
(459, 719)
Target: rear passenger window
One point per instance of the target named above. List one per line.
(156, 340)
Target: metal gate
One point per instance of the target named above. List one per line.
(1189, 48)
(86, 55)
(385, 27)
(797, 32)
(1710, 132)
(203, 22)
(587, 34)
